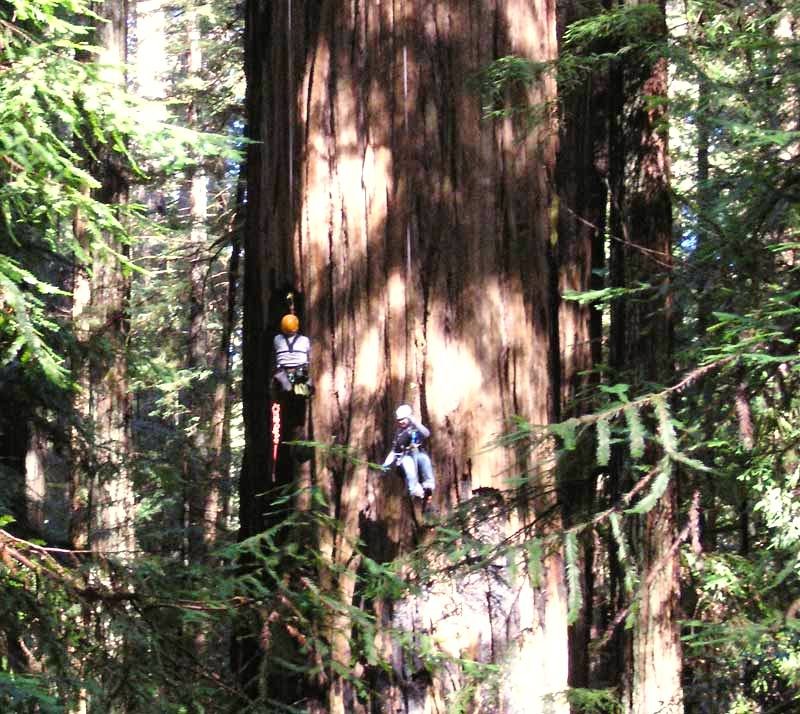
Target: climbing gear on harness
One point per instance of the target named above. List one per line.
(408, 440)
(297, 374)
(290, 324)
(403, 412)
(298, 377)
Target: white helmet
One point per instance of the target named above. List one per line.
(403, 412)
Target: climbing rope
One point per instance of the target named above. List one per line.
(276, 434)
(290, 89)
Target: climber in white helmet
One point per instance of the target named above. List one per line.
(408, 453)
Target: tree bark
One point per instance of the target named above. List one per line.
(419, 236)
(36, 480)
(645, 340)
(203, 480)
(217, 508)
(582, 197)
(657, 658)
(100, 300)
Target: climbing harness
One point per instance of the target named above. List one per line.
(408, 440)
(289, 343)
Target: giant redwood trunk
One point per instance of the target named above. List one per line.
(418, 235)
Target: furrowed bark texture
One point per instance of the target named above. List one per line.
(641, 347)
(657, 657)
(581, 216)
(419, 237)
(100, 311)
(111, 524)
(205, 349)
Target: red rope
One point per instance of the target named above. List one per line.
(276, 432)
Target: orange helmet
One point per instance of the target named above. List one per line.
(290, 324)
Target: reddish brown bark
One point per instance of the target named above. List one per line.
(103, 508)
(641, 349)
(419, 236)
(582, 196)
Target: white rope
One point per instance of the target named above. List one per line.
(405, 113)
(290, 75)
(405, 84)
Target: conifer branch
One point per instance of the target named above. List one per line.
(654, 572)
(649, 399)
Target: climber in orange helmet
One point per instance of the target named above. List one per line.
(292, 352)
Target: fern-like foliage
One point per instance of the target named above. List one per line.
(603, 428)
(594, 701)
(636, 432)
(573, 567)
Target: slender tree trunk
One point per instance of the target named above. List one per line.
(657, 652)
(36, 480)
(101, 491)
(111, 526)
(203, 490)
(100, 300)
(704, 294)
(217, 505)
(644, 344)
(582, 196)
(79, 475)
(418, 235)
(255, 349)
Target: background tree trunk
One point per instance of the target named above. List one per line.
(582, 198)
(418, 235)
(644, 343)
(36, 480)
(203, 489)
(100, 300)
